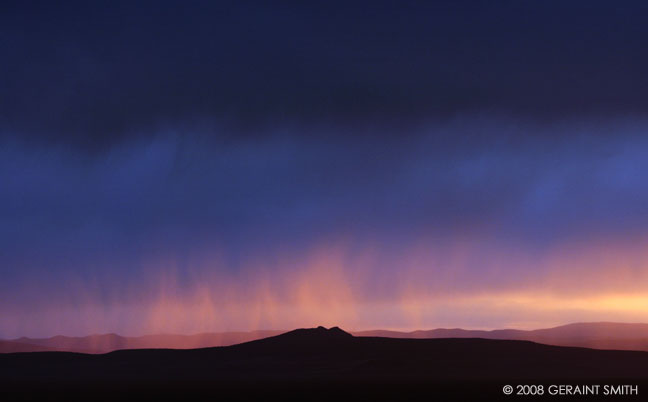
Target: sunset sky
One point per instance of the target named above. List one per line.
(212, 166)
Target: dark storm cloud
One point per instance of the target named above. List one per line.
(64, 211)
(93, 75)
(473, 141)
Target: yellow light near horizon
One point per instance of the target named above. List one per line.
(530, 310)
(606, 302)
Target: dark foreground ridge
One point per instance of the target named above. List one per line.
(319, 363)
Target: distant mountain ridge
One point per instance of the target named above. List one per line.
(19, 347)
(105, 343)
(596, 335)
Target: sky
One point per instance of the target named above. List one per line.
(213, 166)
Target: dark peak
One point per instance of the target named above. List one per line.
(321, 333)
(333, 331)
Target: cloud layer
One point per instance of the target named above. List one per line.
(176, 168)
(92, 75)
(473, 206)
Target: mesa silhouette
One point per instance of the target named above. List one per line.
(324, 359)
(597, 335)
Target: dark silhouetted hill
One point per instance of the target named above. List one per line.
(316, 362)
(601, 335)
